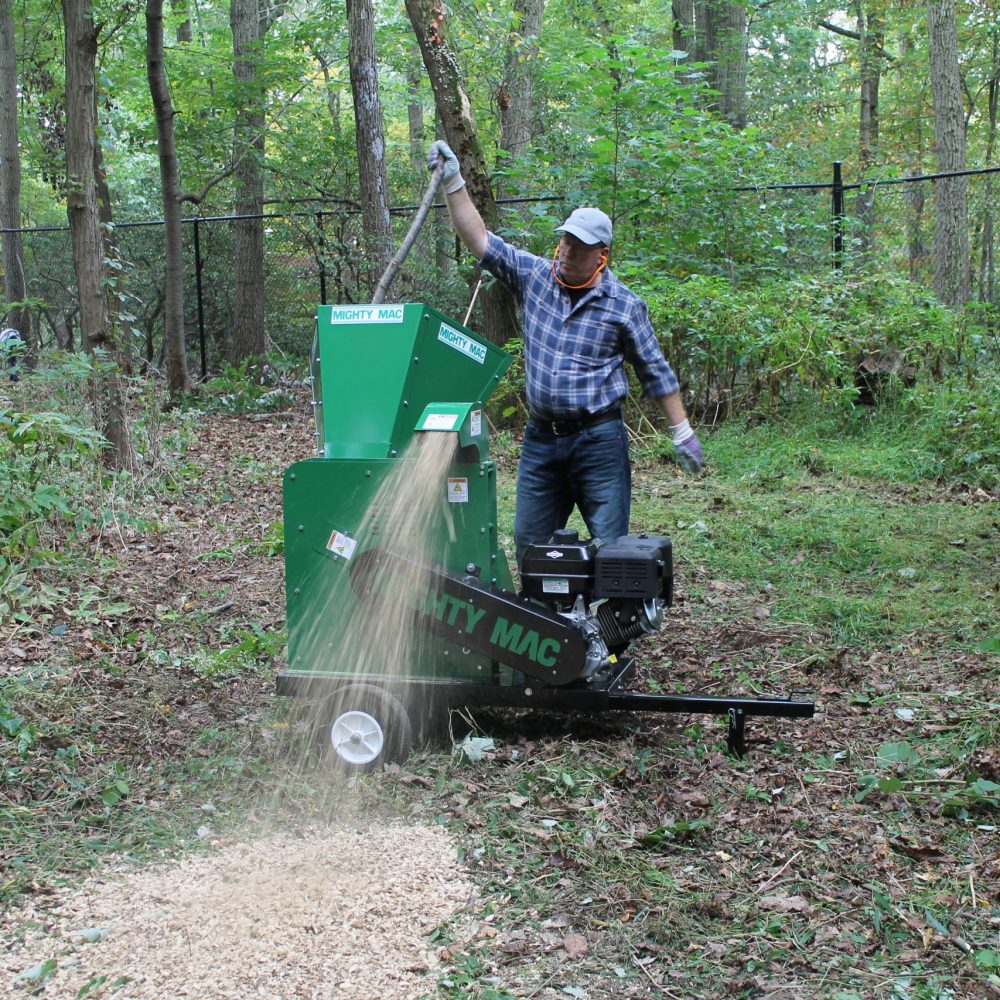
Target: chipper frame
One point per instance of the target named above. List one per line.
(382, 374)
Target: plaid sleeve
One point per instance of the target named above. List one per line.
(644, 353)
(508, 264)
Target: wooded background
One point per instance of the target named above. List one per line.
(296, 133)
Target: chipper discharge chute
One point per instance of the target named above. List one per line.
(400, 599)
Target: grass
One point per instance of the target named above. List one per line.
(848, 856)
(840, 540)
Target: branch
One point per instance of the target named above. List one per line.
(397, 262)
(197, 199)
(837, 30)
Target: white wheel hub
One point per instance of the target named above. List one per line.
(356, 737)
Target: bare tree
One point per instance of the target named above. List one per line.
(15, 286)
(83, 203)
(369, 138)
(250, 21)
(952, 283)
(173, 310)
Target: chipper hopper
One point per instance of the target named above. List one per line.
(384, 377)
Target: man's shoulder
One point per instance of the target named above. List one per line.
(624, 297)
(512, 263)
(497, 246)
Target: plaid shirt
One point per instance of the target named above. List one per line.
(574, 355)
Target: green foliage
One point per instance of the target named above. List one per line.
(903, 770)
(38, 454)
(746, 345)
(960, 423)
(246, 649)
(832, 511)
(256, 386)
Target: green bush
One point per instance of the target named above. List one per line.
(960, 424)
(259, 385)
(36, 450)
(740, 347)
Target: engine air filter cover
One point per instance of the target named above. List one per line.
(635, 566)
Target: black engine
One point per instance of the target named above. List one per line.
(621, 587)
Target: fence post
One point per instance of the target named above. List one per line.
(838, 216)
(322, 259)
(201, 308)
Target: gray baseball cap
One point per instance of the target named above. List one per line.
(590, 225)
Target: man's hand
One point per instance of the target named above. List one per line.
(687, 447)
(451, 173)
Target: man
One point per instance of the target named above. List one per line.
(11, 346)
(580, 325)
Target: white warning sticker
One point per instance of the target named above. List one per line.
(476, 419)
(551, 585)
(458, 491)
(341, 545)
(440, 422)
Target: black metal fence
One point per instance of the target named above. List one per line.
(315, 256)
(887, 222)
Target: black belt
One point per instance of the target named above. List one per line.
(563, 428)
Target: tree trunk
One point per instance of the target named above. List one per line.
(516, 97)
(716, 32)
(415, 120)
(682, 12)
(369, 139)
(83, 208)
(15, 286)
(173, 310)
(499, 317)
(872, 40)
(332, 88)
(185, 29)
(250, 21)
(729, 39)
(987, 258)
(951, 232)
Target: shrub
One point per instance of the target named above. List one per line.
(961, 426)
(743, 347)
(36, 449)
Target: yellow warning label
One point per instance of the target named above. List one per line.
(458, 491)
(341, 545)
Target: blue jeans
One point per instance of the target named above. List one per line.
(589, 470)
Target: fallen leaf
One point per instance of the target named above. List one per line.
(785, 904)
(575, 945)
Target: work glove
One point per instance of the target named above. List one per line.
(687, 447)
(451, 174)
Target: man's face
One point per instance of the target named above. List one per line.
(577, 261)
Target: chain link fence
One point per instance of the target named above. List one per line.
(315, 256)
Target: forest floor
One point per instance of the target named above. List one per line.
(852, 855)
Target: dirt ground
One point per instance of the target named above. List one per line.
(289, 916)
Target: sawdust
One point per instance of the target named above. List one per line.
(335, 912)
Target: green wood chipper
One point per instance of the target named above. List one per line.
(383, 377)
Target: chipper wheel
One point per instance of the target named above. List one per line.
(366, 727)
